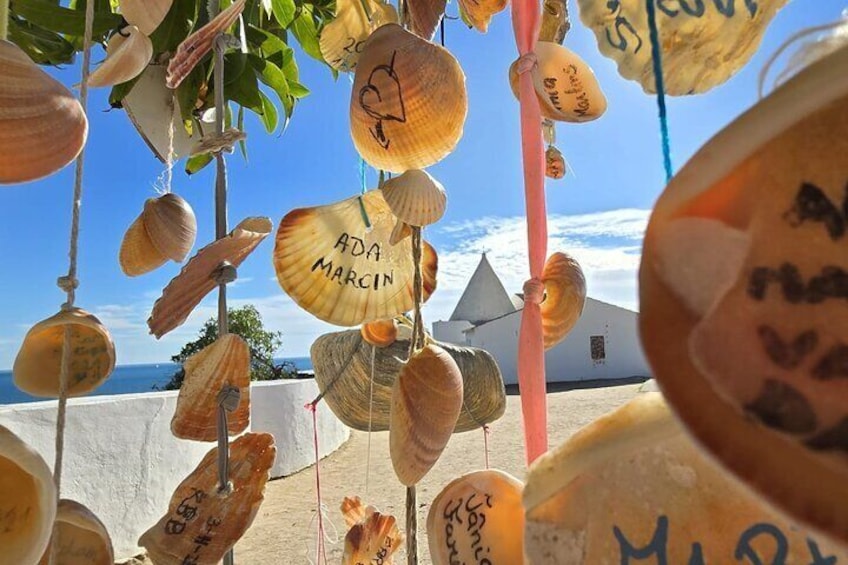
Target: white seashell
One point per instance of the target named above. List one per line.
(128, 53)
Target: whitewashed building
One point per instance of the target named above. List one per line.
(604, 344)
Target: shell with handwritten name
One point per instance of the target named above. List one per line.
(127, 55)
(408, 104)
(554, 163)
(343, 39)
(380, 333)
(372, 537)
(565, 296)
(415, 197)
(146, 15)
(743, 315)
(82, 537)
(166, 229)
(478, 13)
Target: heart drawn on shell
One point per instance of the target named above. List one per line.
(381, 97)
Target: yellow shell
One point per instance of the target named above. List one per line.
(82, 538)
(380, 333)
(415, 198)
(146, 15)
(127, 55)
(565, 295)
(426, 401)
(479, 13)
(27, 501)
(166, 229)
(408, 105)
(555, 21)
(39, 362)
(372, 537)
(42, 125)
(343, 39)
(554, 163)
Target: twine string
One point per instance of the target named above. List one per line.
(321, 550)
(659, 81)
(370, 415)
(486, 432)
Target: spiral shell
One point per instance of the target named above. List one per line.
(380, 333)
(416, 198)
(81, 536)
(343, 39)
(166, 229)
(565, 295)
(478, 13)
(146, 15)
(127, 55)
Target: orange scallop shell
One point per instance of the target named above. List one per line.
(565, 295)
(380, 333)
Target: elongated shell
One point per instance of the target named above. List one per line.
(166, 229)
(27, 501)
(479, 13)
(82, 537)
(554, 163)
(374, 538)
(38, 364)
(415, 198)
(128, 53)
(42, 125)
(146, 15)
(343, 39)
(565, 295)
(408, 105)
(380, 333)
(426, 401)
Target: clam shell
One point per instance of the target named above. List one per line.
(343, 39)
(372, 538)
(477, 515)
(225, 362)
(554, 164)
(166, 229)
(408, 105)
(42, 125)
(126, 57)
(39, 362)
(83, 539)
(424, 17)
(478, 13)
(748, 352)
(703, 43)
(415, 198)
(196, 279)
(565, 295)
(27, 501)
(426, 401)
(343, 272)
(138, 255)
(146, 15)
(380, 333)
(203, 523)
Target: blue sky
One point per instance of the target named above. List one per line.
(598, 211)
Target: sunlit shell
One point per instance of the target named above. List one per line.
(554, 163)
(166, 229)
(205, 523)
(373, 538)
(703, 43)
(343, 39)
(82, 537)
(27, 501)
(424, 16)
(38, 365)
(146, 15)
(401, 231)
(565, 295)
(344, 272)
(127, 55)
(225, 362)
(380, 333)
(426, 401)
(342, 363)
(742, 306)
(42, 125)
(633, 486)
(478, 515)
(555, 21)
(415, 198)
(478, 13)
(566, 86)
(408, 104)
(197, 278)
(353, 510)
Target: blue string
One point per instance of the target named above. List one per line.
(656, 59)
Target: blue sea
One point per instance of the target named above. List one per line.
(125, 379)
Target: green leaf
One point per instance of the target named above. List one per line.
(242, 144)
(284, 12)
(188, 90)
(120, 91)
(63, 20)
(245, 91)
(175, 27)
(298, 90)
(269, 113)
(42, 46)
(198, 162)
(306, 33)
(271, 75)
(235, 64)
(289, 66)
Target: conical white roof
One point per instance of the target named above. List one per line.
(485, 297)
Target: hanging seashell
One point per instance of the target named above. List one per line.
(555, 21)
(408, 104)
(42, 125)
(477, 516)
(203, 522)
(343, 39)
(478, 13)
(423, 17)
(416, 198)
(27, 501)
(743, 313)
(554, 163)
(83, 539)
(703, 43)
(224, 363)
(633, 486)
(426, 401)
(127, 55)
(380, 333)
(166, 229)
(340, 270)
(197, 278)
(146, 15)
(400, 232)
(565, 295)
(39, 362)
(566, 86)
(353, 510)
(217, 143)
(372, 537)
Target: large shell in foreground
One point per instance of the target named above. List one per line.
(565, 296)
(38, 364)
(344, 272)
(743, 315)
(415, 198)
(478, 13)
(27, 501)
(372, 537)
(343, 39)
(205, 523)
(426, 401)
(146, 15)
(82, 537)
(408, 105)
(128, 53)
(166, 229)
(42, 125)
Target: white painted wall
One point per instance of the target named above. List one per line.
(451, 331)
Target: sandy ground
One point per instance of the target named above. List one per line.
(284, 532)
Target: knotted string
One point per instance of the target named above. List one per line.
(534, 291)
(659, 81)
(321, 550)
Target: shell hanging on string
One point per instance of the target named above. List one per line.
(372, 537)
(477, 516)
(83, 539)
(353, 510)
(166, 229)
(42, 125)
(408, 104)
(555, 167)
(415, 198)
(205, 523)
(478, 13)
(38, 365)
(27, 501)
(742, 310)
(426, 402)
(343, 39)
(127, 55)
(424, 16)
(342, 271)
(224, 362)
(380, 333)
(146, 15)
(565, 296)
(555, 21)
(703, 43)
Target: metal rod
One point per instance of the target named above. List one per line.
(411, 526)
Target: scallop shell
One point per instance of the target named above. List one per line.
(353, 510)
(408, 105)
(565, 295)
(27, 501)
(38, 365)
(196, 279)
(372, 538)
(477, 515)
(146, 15)
(424, 17)
(426, 401)
(225, 362)
(415, 198)
(400, 232)
(566, 86)
(554, 164)
(343, 272)
(478, 13)
(380, 333)
(742, 316)
(42, 125)
(204, 523)
(343, 39)
(166, 229)
(127, 55)
(82, 537)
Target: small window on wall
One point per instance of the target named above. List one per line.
(596, 347)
